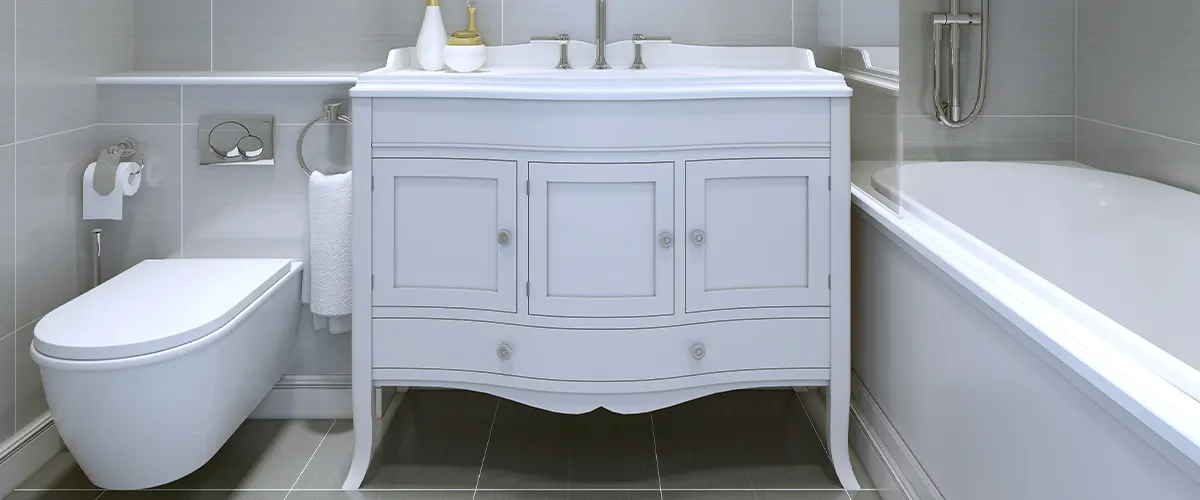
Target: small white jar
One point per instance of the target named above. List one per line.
(465, 52)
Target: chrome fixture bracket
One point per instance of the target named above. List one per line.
(335, 111)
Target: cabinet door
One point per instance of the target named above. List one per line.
(601, 240)
(445, 234)
(757, 233)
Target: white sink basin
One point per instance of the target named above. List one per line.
(675, 71)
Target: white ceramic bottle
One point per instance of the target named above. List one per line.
(431, 43)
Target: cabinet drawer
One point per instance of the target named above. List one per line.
(601, 355)
(601, 124)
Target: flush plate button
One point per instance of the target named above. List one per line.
(236, 139)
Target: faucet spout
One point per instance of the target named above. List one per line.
(601, 35)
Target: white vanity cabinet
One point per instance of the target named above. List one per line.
(578, 239)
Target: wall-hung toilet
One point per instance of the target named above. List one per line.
(149, 374)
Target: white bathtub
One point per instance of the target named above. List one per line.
(1025, 328)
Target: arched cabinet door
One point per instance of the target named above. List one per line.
(757, 233)
(601, 240)
(445, 234)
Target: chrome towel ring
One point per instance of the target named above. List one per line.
(333, 114)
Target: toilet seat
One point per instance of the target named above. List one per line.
(154, 306)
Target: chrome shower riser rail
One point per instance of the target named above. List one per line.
(949, 112)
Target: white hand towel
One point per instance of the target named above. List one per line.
(330, 200)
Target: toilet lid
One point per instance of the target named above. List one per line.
(155, 305)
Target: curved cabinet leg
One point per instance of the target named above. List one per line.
(837, 408)
(364, 436)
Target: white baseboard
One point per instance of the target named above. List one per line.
(307, 397)
(27, 451)
(888, 461)
(890, 456)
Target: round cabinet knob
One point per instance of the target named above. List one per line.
(698, 237)
(504, 238)
(504, 351)
(698, 351)
(667, 240)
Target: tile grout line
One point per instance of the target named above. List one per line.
(1131, 129)
(182, 154)
(816, 431)
(310, 458)
(485, 449)
(102, 492)
(657, 467)
(212, 11)
(47, 136)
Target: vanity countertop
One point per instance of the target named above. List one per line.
(675, 72)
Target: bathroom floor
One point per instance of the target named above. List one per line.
(451, 445)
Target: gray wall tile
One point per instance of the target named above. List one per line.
(7, 239)
(1131, 152)
(138, 103)
(871, 23)
(55, 74)
(50, 249)
(524, 19)
(256, 211)
(8, 401)
(29, 396)
(311, 34)
(1138, 66)
(172, 35)
(991, 138)
(829, 36)
(290, 104)
(153, 217)
(703, 22)
(7, 73)
(805, 28)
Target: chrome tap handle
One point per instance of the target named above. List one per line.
(563, 40)
(640, 39)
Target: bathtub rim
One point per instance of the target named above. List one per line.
(1146, 400)
(1163, 363)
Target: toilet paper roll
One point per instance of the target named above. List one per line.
(111, 206)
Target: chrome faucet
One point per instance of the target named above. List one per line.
(601, 34)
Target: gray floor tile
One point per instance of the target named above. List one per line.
(741, 440)
(778, 443)
(261, 454)
(194, 495)
(60, 473)
(529, 449)
(380, 495)
(436, 442)
(756, 495)
(53, 495)
(568, 495)
(697, 447)
(865, 494)
(329, 466)
(536, 449)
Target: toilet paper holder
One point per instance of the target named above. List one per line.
(123, 150)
